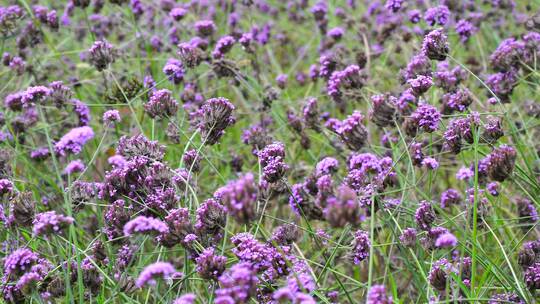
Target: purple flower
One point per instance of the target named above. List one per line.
(213, 118)
(237, 285)
(102, 53)
(424, 215)
(493, 188)
(420, 84)
(223, 46)
(450, 197)
(74, 140)
(408, 237)
(505, 298)
(335, 33)
(49, 222)
(178, 13)
(281, 80)
(351, 130)
(427, 117)
(19, 261)
(161, 104)
(35, 94)
(377, 295)
(190, 54)
(507, 55)
(111, 117)
(394, 5)
(210, 217)
(361, 246)
(240, 198)
(143, 224)
(532, 277)
(210, 266)
(6, 186)
(437, 15)
(74, 166)
(187, 298)
(174, 70)
(327, 165)
(343, 208)
(349, 78)
(439, 274)
(414, 16)
(151, 272)
(430, 163)
(60, 94)
(435, 45)
(272, 159)
(465, 30)
(383, 112)
(501, 162)
(205, 28)
(464, 173)
(446, 240)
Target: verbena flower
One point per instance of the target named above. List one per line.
(213, 118)
(210, 265)
(74, 140)
(377, 295)
(102, 54)
(161, 104)
(240, 198)
(143, 224)
(272, 160)
(361, 246)
(154, 271)
(237, 285)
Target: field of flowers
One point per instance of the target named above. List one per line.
(269, 151)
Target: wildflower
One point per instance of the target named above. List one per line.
(465, 30)
(19, 261)
(446, 240)
(6, 186)
(327, 165)
(426, 117)
(210, 217)
(361, 245)
(102, 54)
(272, 162)
(527, 212)
(493, 188)
(351, 130)
(439, 274)
(22, 208)
(450, 197)
(424, 215)
(223, 46)
(343, 208)
(383, 112)
(111, 117)
(156, 270)
(377, 295)
(143, 224)
(74, 166)
(187, 298)
(408, 237)
(49, 222)
(192, 160)
(281, 81)
(505, 298)
(205, 27)
(174, 70)
(213, 118)
(286, 234)
(240, 198)
(35, 94)
(178, 13)
(237, 285)
(430, 163)
(190, 54)
(161, 104)
(420, 84)
(532, 277)
(435, 45)
(437, 15)
(210, 266)
(501, 163)
(74, 140)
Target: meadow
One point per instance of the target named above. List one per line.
(269, 151)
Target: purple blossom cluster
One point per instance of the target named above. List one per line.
(273, 151)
